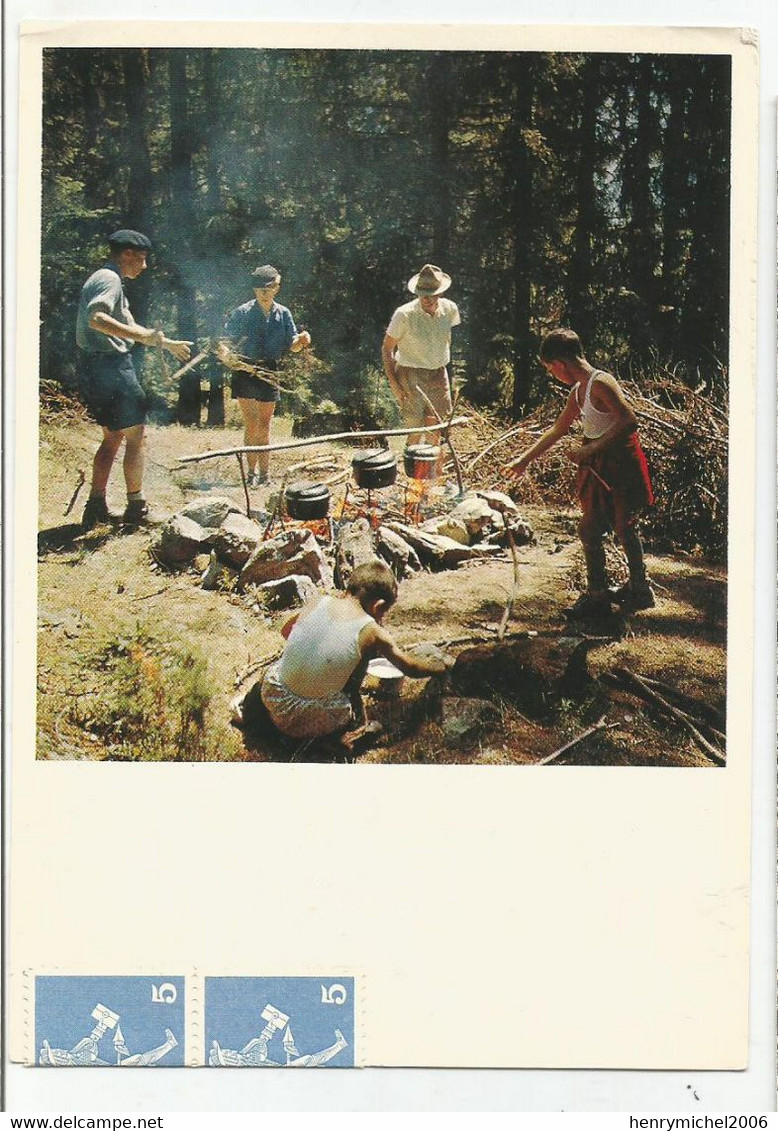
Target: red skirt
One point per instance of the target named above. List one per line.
(615, 485)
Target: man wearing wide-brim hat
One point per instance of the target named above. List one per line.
(105, 335)
(417, 350)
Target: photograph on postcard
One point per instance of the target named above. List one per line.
(384, 419)
(384, 406)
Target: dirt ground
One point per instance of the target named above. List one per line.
(104, 602)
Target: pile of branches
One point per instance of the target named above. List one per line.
(685, 437)
(58, 403)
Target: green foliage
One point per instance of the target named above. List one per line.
(555, 188)
(153, 701)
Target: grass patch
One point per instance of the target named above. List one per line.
(154, 704)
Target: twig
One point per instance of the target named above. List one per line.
(74, 496)
(506, 616)
(245, 485)
(654, 697)
(485, 451)
(310, 440)
(189, 365)
(599, 725)
(252, 669)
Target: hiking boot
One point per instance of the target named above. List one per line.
(633, 598)
(136, 513)
(95, 512)
(589, 605)
(256, 478)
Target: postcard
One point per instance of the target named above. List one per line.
(384, 546)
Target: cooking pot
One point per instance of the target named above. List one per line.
(375, 467)
(421, 461)
(306, 500)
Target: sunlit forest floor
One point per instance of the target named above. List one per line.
(139, 663)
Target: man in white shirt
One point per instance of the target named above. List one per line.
(417, 349)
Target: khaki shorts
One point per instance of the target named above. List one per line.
(415, 410)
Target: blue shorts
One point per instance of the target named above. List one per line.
(110, 390)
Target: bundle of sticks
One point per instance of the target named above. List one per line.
(683, 431)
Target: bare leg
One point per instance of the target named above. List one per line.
(103, 461)
(133, 459)
(251, 430)
(266, 410)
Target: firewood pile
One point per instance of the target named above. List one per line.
(685, 437)
(58, 404)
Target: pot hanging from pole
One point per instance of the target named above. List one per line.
(421, 461)
(306, 500)
(375, 467)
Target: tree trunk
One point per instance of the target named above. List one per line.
(521, 213)
(139, 194)
(183, 225)
(579, 302)
(440, 173)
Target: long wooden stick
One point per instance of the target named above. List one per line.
(245, 484)
(505, 436)
(506, 616)
(599, 725)
(310, 440)
(190, 365)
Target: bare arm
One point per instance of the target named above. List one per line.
(558, 429)
(105, 324)
(378, 642)
(387, 356)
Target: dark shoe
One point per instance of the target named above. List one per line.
(95, 512)
(589, 605)
(257, 479)
(136, 513)
(634, 598)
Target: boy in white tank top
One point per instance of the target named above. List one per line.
(314, 689)
(613, 482)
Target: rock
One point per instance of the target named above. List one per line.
(179, 540)
(448, 527)
(210, 578)
(236, 539)
(434, 550)
(209, 512)
(354, 546)
(288, 592)
(478, 517)
(401, 558)
(523, 534)
(293, 551)
(465, 721)
(498, 501)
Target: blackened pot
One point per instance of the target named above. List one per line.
(306, 500)
(376, 467)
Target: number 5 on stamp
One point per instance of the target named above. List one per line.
(279, 1022)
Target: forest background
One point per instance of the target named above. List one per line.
(582, 189)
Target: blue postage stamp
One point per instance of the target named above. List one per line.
(129, 1022)
(279, 1022)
